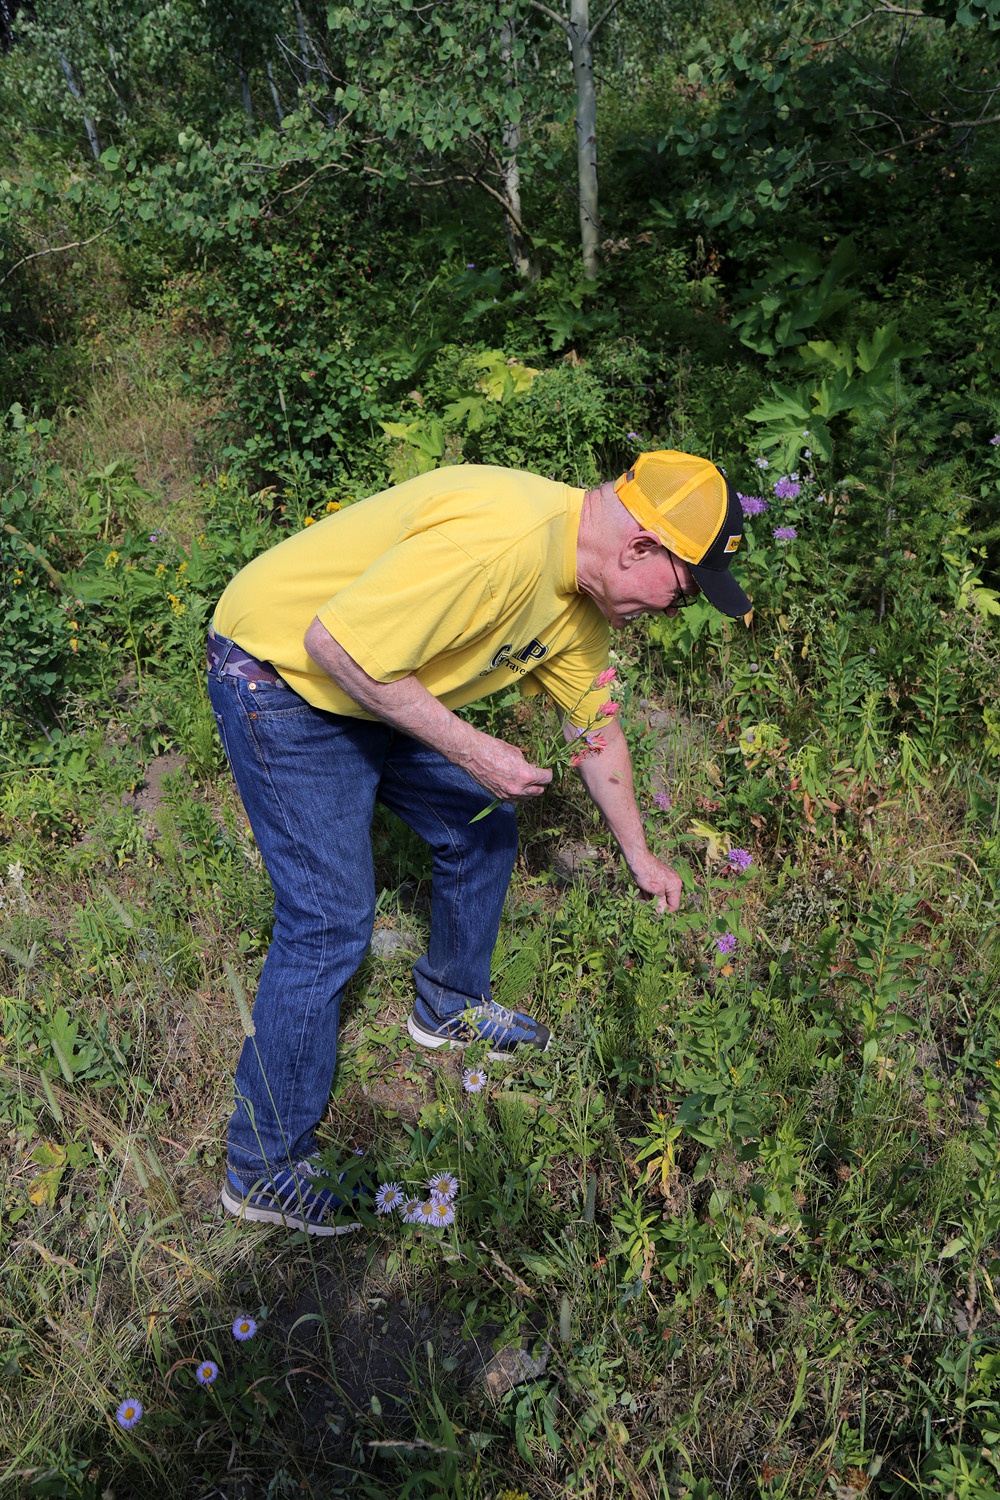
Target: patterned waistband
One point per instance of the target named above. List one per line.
(230, 660)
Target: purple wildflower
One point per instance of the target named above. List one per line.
(470, 265)
(995, 441)
(243, 1329)
(662, 801)
(740, 859)
(785, 533)
(786, 489)
(726, 943)
(633, 437)
(761, 463)
(206, 1372)
(753, 505)
(128, 1413)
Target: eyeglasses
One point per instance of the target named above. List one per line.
(683, 600)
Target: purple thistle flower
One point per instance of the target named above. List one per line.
(786, 489)
(752, 505)
(740, 859)
(662, 801)
(785, 533)
(128, 1413)
(726, 943)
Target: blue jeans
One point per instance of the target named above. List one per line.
(309, 781)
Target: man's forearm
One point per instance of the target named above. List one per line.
(406, 705)
(607, 777)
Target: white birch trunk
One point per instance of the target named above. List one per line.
(578, 32)
(88, 123)
(517, 242)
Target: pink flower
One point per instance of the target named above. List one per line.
(578, 759)
(609, 709)
(662, 801)
(597, 743)
(603, 678)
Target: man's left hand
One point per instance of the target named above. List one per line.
(658, 883)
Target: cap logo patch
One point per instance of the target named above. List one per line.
(733, 543)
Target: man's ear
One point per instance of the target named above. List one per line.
(640, 546)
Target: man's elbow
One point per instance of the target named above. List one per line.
(317, 640)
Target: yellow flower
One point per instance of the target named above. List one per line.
(332, 505)
(160, 569)
(181, 570)
(176, 605)
(309, 521)
(111, 559)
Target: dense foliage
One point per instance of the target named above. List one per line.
(259, 261)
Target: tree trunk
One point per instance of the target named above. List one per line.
(578, 32)
(244, 86)
(275, 96)
(518, 244)
(88, 123)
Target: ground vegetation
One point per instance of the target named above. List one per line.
(738, 1233)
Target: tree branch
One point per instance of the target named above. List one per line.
(552, 15)
(36, 554)
(478, 182)
(598, 24)
(880, 10)
(53, 250)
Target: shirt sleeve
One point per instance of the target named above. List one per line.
(420, 599)
(568, 677)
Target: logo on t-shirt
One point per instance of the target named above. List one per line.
(518, 661)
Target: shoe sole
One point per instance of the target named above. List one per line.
(254, 1214)
(432, 1041)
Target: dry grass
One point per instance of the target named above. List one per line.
(139, 409)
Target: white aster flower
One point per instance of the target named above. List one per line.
(426, 1213)
(442, 1212)
(389, 1197)
(444, 1185)
(474, 1080)
(411, 1211)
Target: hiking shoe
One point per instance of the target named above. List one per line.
(293, 1196)
(504, 1029)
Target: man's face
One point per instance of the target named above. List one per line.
(651, 581)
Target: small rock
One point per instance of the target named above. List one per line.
(571, 858)
(388, 943)
(512, 1366)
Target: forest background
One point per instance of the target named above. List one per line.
(737, 1234)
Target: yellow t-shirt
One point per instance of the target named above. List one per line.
(464, 577)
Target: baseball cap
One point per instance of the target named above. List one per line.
(686, 502)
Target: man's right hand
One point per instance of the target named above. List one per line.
(502, 769)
